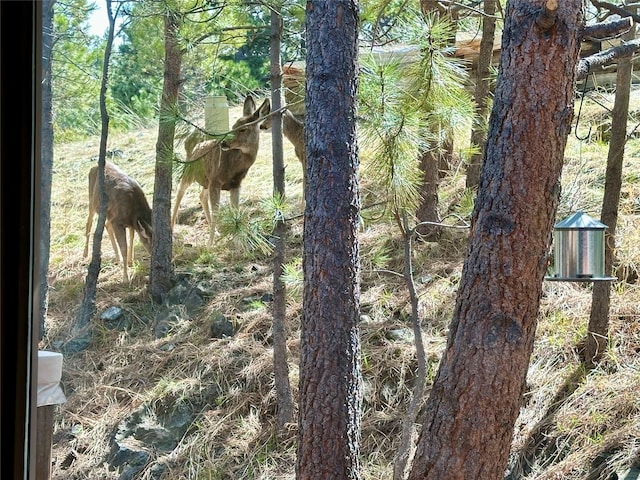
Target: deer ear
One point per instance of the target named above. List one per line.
(249, 106)
(144, 230)
(263, 111)
(265, 108)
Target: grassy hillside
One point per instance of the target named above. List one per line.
(572, 425)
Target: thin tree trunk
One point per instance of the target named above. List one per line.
(428, 209)
(409, 420)
(88, 306)
(161, 274)
(477, 393)
(280, 365)
(598, 329)
(434, 164)
(482, 99)
(330, 375)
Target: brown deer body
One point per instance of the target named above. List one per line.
(127, 207)
(293, 130)
(227, 162)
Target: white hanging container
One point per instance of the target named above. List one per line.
(216, 114)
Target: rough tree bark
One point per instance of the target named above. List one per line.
(477, 393)
(161, 273)
(330, 375)
(280, 365)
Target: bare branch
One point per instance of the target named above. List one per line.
(610, 29)
(605, 57)
(615, 9)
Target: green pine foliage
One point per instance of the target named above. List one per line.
(136, 71)
(226, 51)
(392, 134)
(76, 72)
(437, 81)
(410, 101)
(247, 236)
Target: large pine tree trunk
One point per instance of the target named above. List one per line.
(330, 376)
(161, 273)
(477, 393)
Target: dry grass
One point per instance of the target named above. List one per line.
(572, 425)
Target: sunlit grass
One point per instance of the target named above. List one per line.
(230, 380)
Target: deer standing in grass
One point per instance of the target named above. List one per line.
(226, 162)
(127, 208)
(192, 172)
(293, 129)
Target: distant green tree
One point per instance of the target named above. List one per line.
(136, 79)
(234, 79)
(76, 71)
(234, 58)
(379, 20)
(225, 53)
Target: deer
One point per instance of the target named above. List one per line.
(127, 208)
(227, 161)
(192, 172)
(293, 129)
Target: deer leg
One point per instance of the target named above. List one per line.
(214, 200)
(116, 250)
(130, 249)
(184, 184)
(204, 201)
(234, 197)
(88, 232)
(121, 236)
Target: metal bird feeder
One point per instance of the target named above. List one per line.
(579, 250)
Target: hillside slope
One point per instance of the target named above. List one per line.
(573, 425)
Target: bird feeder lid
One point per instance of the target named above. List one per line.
(580, 221)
